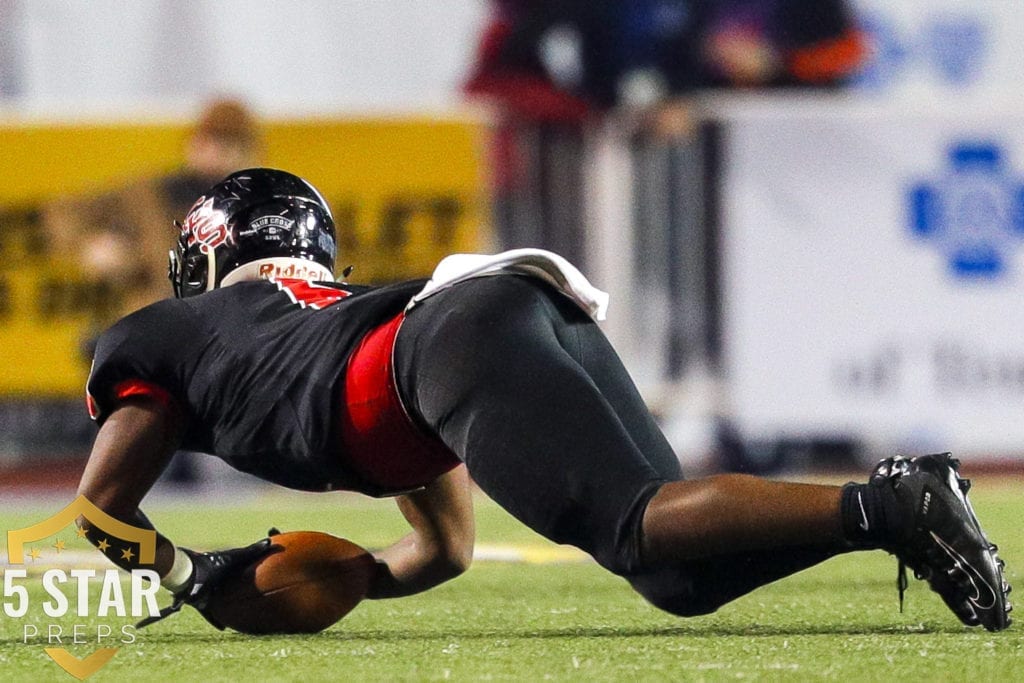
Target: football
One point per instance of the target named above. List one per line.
(311, 582)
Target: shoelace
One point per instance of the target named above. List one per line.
(901, 580)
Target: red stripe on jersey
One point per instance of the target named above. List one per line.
(306, 293)
(381, 441)
(131, 388)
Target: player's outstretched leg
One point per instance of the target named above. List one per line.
(915, 508)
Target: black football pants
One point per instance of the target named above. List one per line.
(524, 387)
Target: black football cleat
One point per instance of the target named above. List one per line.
(939, 537)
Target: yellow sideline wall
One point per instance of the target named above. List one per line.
(405, 193)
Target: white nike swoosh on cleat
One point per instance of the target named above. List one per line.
(863, 514)
(973, 575)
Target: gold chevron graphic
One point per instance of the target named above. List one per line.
(81, 668)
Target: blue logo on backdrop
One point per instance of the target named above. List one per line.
(950, 48)
(974, 213)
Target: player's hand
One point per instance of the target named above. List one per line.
(209, 570)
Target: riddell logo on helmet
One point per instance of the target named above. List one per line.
(297, 271)
(205, 225)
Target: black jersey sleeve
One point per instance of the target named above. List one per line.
(142, 354)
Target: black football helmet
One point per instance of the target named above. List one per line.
(254, 224)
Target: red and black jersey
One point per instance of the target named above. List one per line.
(254, 369)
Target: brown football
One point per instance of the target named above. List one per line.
(314, 580)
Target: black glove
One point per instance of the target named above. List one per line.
(209, 570)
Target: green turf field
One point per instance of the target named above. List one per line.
(561, 620)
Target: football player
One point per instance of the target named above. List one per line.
(496, 370)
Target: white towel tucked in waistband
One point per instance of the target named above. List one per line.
(534, 262)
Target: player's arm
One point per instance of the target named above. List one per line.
(440, 546)
(132, 448)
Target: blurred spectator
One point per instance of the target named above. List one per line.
(528, 66)
(760, 43)
(549, 67)
(549, 61)
(122, 237)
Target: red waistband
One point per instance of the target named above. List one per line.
(382, 443)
